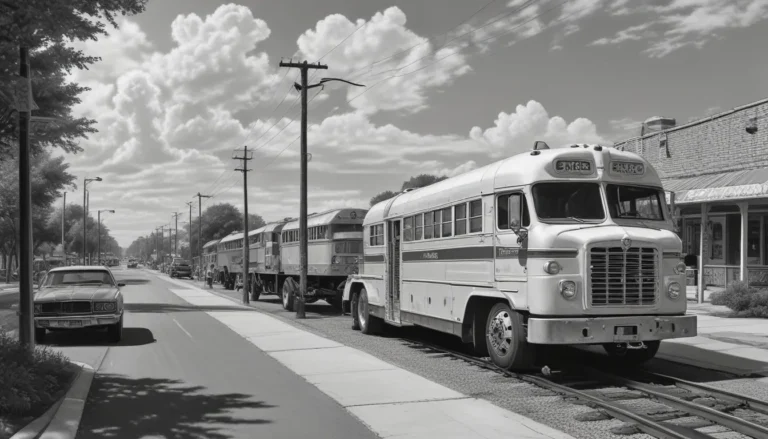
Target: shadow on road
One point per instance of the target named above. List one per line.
(122, 407)
(92, 337)
(169, 307)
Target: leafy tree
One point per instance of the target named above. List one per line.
(416, 182)
(44, 27)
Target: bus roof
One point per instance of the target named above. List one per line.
(518, 170)
(335, 216)
(210, 243)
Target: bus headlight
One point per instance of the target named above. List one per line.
(552, 267)
(568, 289)
(680, 268)
(673, 290)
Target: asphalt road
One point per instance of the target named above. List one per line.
(179, 373)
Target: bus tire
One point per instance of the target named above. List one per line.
(361, 315)
(256, 289)
(290, 287)
(479, 338)
(621, 356)
(505, 336)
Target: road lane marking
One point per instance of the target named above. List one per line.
(182, 328)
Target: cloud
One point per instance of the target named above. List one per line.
(420, 68)
(516, 132)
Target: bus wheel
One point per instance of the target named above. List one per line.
(622, 356)
(361, 316)
(506, 338)
(289, 293)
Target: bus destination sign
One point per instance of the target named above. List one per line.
(573, 166)
(627, 168)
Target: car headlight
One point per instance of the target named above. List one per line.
(568, 289)
(552, 267)
(673, 290)
(680, 268)
(104, 306)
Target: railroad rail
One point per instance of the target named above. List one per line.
(646, 424)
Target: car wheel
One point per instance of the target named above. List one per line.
(39, 335)
(115, 332)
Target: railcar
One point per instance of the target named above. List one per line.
(335, 247)
(566, 246)
(210, 255)
(229, 252)
(266, 252)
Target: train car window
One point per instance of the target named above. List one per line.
(418, 226)
(447, 222)
(476, 216)
(408, 229)
(460, 222)
(429, 219)
(502, 206)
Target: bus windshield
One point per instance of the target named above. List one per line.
(634, 202)
(566, 201)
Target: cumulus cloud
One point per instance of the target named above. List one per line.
(516, 132)
(400, 82)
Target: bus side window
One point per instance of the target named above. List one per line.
(502, 218)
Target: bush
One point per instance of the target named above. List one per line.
(744, 300)
(30, 382)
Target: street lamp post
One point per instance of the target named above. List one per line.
(85, 213)
(98, 222)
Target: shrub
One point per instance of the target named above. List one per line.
(30, 382)
(744, 300)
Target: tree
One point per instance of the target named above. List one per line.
(44, 27)
(416, 182)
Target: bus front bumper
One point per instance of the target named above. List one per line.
(598, 330)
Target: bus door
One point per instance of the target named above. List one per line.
(510, 254)
(394, 260)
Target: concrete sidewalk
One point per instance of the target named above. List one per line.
(391, 401)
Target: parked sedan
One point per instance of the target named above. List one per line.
(79, 297)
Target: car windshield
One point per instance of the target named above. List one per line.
(180, 262)
(78, 277)
(568, 201)
(634, 202)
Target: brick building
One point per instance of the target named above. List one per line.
(715, 171)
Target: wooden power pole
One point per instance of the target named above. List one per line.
(245, 157)
(200, 227)
(26, 304)
(176, 234)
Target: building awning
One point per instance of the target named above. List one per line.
(727, 186)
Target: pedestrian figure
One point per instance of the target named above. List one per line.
(209, 277)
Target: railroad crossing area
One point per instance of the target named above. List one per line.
(408, 402)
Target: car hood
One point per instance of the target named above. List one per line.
(60, 294)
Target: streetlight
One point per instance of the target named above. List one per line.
(85, 213)
(98, 246)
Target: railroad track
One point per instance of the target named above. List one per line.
(711, 405)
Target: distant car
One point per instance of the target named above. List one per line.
(78, 297)
(180, 268)
(132, 263)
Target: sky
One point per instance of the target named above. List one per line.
(450, 85)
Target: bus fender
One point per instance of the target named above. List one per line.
(480, 302)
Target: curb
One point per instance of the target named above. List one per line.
(62, 420)
(723, 361)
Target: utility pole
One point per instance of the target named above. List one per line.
(247, 155)
(63, 216)
(200, 226)
(189, 238)
(162, 237)
(304, 67)
(176, 235)
(26, 306)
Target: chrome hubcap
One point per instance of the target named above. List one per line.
(362, 309)
(500, 333)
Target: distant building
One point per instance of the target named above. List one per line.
(717, 169)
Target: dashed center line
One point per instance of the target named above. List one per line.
(182, 328)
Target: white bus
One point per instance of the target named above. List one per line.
(567, 246)
(334, 248)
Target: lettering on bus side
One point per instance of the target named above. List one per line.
(507, 252)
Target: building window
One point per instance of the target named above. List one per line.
(408, 229)
(447, 222)
(418, 226)
(476, 216)
(460, 222)
(377, 234)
